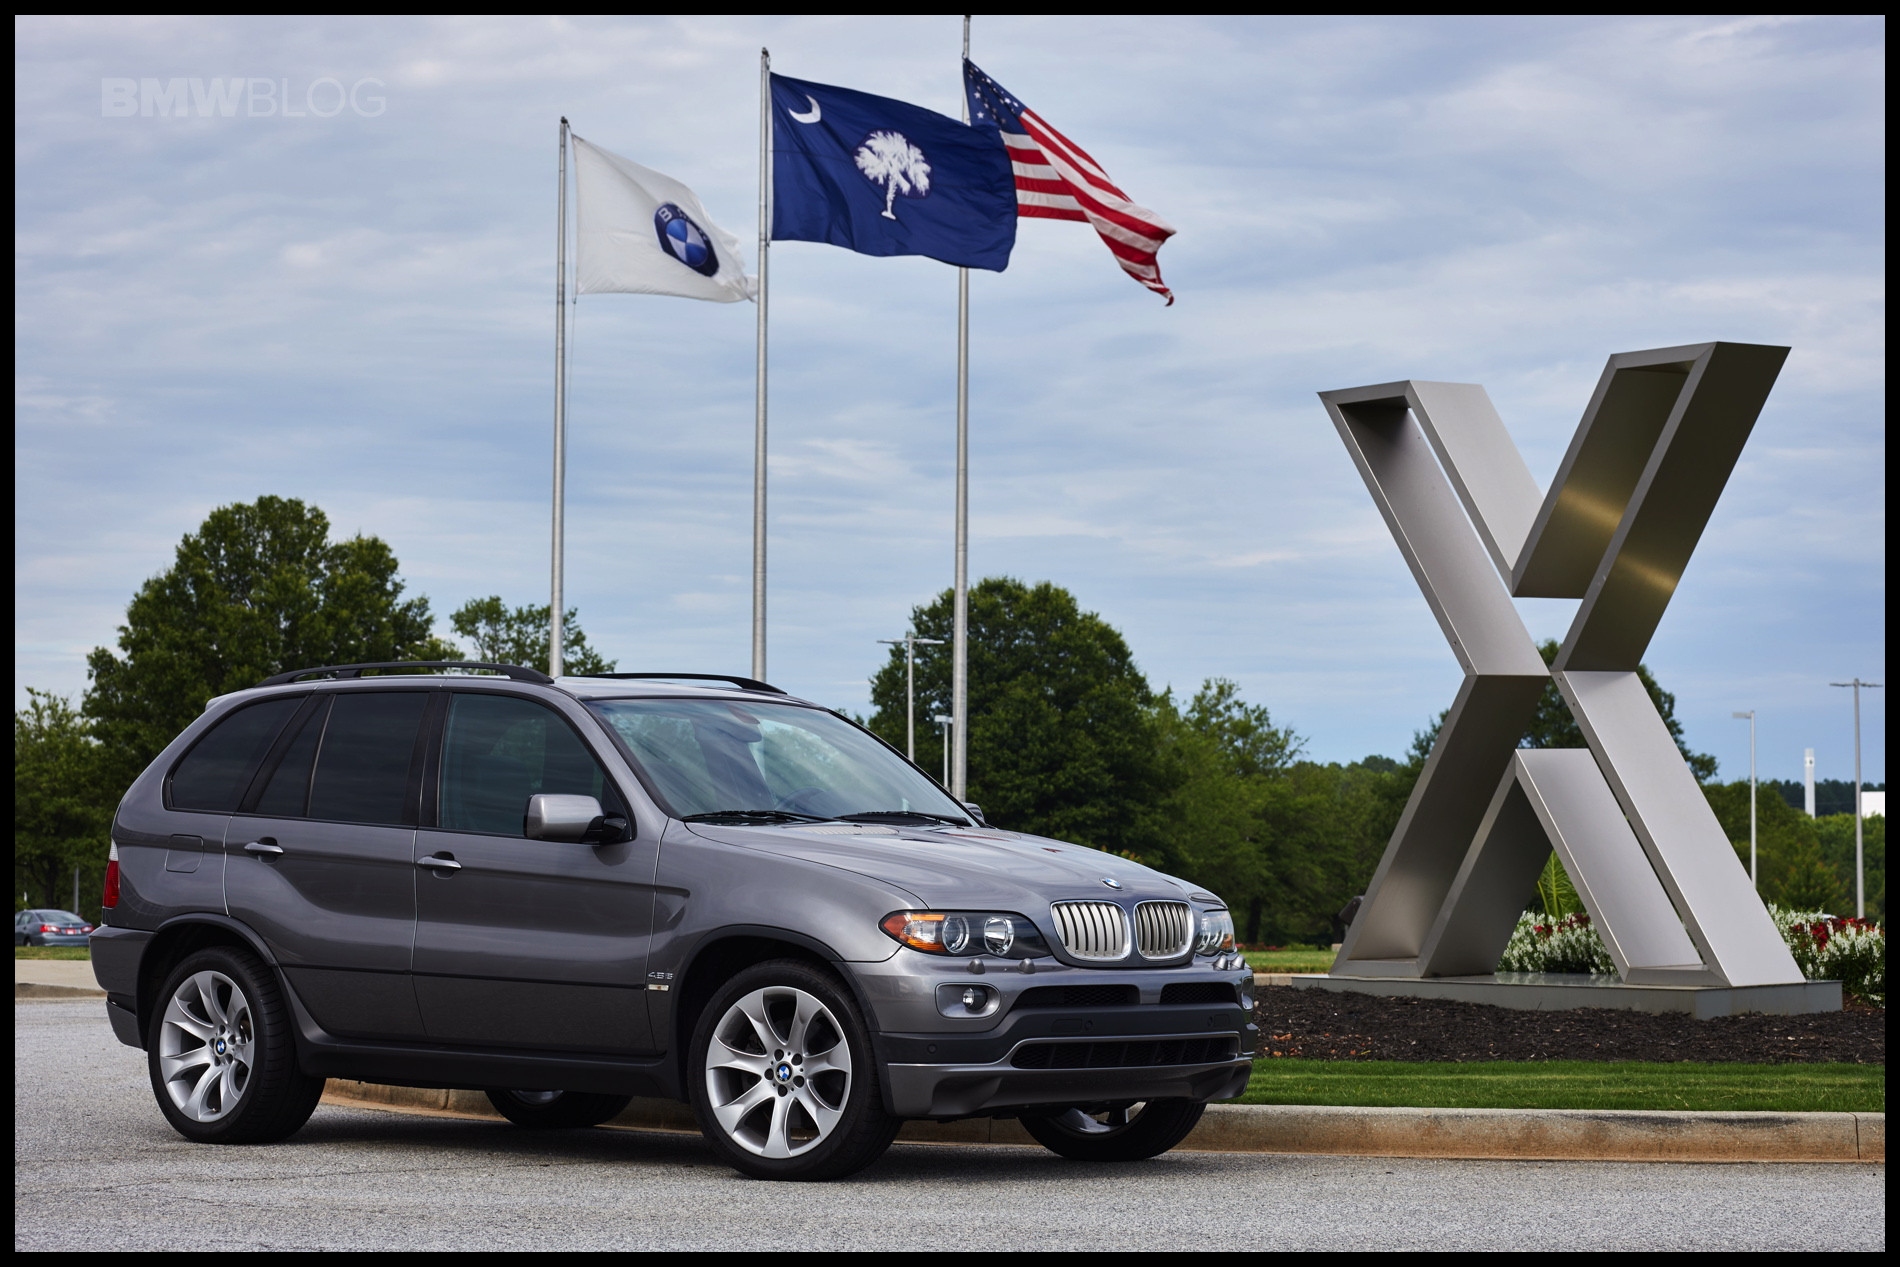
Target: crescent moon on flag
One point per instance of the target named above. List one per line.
(815, 114)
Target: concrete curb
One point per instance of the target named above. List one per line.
(40, 990)
(1472, 1134)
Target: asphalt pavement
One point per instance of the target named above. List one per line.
(96, 1167)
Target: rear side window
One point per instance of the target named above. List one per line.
(499, 751)
(363, 760)
(287, 795)
(214, 774)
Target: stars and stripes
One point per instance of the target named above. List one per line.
(1057, 180)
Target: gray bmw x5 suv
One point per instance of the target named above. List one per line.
(569, 893)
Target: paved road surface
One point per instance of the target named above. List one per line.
(95, 1167)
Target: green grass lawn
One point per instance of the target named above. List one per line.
(1298, 959)
(1570, 1084)
(51, 952)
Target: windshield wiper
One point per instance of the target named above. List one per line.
(872, 815)
(754, 815)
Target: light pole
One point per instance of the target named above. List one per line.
(1860, 871)
(1753, 878)
(943, 729)
(910, 643)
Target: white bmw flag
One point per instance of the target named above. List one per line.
(643, 233)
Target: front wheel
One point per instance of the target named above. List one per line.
(222, 1060)
(1128, 1132)
(783, 1080)
(557, 1110)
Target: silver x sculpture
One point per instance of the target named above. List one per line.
(1655, 871)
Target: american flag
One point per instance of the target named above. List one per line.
(1057, 180)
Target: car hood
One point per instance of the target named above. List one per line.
(972, 868)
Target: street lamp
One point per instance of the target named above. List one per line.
(1860, 871)
(910, 644)
(1753, 878)
(943, 729)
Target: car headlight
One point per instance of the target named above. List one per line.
(999, 934)
(1216, 932)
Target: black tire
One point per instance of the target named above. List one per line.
(1147, 1131)
(861, 1129)
(556, 1110)
(269, 1098)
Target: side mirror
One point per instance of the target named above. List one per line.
(976, 812)
(572, 818)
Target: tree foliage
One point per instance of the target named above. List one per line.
(1062, 734)
(62, 810)
(259, 588)
(519, 635)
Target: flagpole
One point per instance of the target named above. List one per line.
(758, 425)
(555, 596)
(960, 650)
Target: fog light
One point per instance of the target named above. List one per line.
(973, 997)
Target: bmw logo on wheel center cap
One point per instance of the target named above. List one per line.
(684, 240)
(784, 1073)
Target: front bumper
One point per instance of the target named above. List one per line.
(965, 1090)
(1071, 1056)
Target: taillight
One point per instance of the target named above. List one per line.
(110, 898)
(49, 928)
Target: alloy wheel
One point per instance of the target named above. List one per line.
(206, 1043)
(778, 1072)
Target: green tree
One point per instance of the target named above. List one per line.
(1792, 868)
(1836, 834)
(519, 635)
(259, 588)
(62, 814)
(1062, 733)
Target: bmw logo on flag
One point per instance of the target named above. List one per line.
(684, 240)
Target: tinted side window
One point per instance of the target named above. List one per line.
(363, 761)
(214, 774)
(500, 750)
(287, 795)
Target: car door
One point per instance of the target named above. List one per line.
(320, 858)
(526, 943)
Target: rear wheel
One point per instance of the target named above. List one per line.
(783, 1080)
(1128, 1132)
(222, 1061)
(557, 1110)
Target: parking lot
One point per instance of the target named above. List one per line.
(96, 1167)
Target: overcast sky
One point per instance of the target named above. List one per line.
(354, 307)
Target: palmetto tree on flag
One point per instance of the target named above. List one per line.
(888, 159)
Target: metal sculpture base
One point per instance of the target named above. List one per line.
(1554, 991)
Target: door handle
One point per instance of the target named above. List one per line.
(266, 846)
(439, 863)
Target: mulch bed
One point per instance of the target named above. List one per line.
(1325, 1025)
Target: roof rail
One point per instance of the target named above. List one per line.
(513, 671)
(750, 684)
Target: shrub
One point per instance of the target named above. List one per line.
(1543, 944)
(1825, 947)
(1839, 948)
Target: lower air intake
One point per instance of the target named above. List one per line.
(1140, 1054)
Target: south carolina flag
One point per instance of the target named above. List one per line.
(643, 233)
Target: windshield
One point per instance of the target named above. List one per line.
(711, 759)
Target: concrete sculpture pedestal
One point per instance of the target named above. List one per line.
(1650, 862)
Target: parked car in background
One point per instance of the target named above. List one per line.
(50, 928)
(568, 893)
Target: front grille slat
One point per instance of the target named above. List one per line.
(1137, 1054)
(1163, 929)
(1092, 930)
